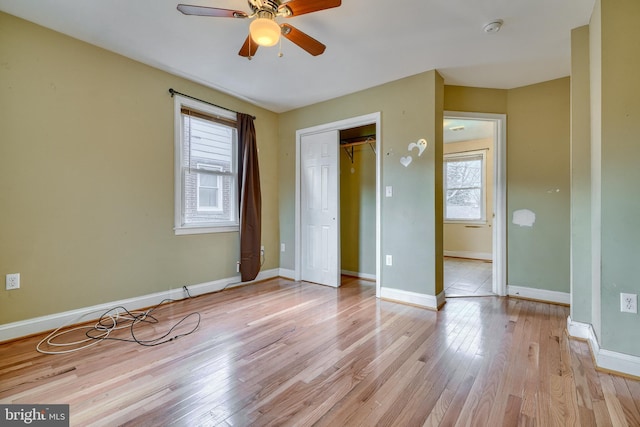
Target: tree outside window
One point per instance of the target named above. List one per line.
(464, 177)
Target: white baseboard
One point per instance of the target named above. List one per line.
(35, 325)
(287, 274)
(605, 359)
(539, 294)
(359, 275)
(408, 297)
(487, 256)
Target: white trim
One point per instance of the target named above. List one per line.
(205, 230)
(539, 294)
(414, 298)
(468, 254)
(367, 276)
(287, 273)
(340, 125)
(604, 359)
(499, 194)
(35, 325)
(580, 330)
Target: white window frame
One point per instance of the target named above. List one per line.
(179, 200)
(483, 190)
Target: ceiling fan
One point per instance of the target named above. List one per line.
(264, 30)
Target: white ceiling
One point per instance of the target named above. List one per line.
(456, 130)
(369, 42)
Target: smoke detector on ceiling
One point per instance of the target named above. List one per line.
(493, 26)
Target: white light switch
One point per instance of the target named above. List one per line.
(389, 260)
(388, 191)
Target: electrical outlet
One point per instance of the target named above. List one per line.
(13, 281)
(629, 303)
(237, 266)
(282, 247)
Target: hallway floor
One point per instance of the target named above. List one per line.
(467, 277)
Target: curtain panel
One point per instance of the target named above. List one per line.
(250, 199)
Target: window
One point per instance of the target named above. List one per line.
(205, 168)
(464, 180)
(209, 189)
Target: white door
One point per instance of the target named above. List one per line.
(320, 223)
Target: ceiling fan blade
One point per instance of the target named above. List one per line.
(249, 48)
(308, 43)
(188, 9)
(300, 7)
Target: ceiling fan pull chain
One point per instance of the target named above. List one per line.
(280, 54)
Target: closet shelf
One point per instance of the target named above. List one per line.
(348, 146)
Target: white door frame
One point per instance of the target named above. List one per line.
(499, 194)
(340, 125)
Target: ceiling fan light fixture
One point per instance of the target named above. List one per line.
(264, 31)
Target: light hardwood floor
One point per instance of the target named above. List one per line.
(290, 353)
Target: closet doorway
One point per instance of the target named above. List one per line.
(304, 234)
(358, 201)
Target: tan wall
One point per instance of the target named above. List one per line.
(472, 240)
(86, 177)
(476, 100)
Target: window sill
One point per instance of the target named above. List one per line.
(205, 230)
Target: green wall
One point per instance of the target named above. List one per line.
(411, 109)
(538, 139)
(620, 150)
(86, 177)
(604, 152)
(580, 177)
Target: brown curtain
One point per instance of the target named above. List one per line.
(250, 198)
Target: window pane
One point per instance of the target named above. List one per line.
(207, 180)
(464, 204)
(204, 204)
(464, 193)
(464, 173)
(210, 143)
(208, 197)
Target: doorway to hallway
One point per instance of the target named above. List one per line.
(474, 205)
